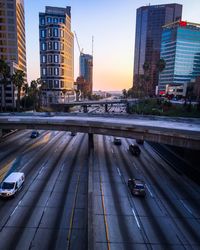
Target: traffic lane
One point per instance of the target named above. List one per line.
(19, 212)
(151, 218)
(185, 189)
(122, 227)
(173, 207)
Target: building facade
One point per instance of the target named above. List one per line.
(12, 44)
(56, 53)
(149, 22)
(86, 71)
(180, 48)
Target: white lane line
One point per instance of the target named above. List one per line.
(138, 224)
(186, 207)
(149, 190)
(112, 151)
(119, 171)
(14, 210)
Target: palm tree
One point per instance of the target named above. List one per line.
(160, 65)
(25, 90)
(4, 79)
(18, 80)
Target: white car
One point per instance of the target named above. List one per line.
(12, 184)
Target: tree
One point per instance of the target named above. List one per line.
(146, 77)
(4, 79)
(160, 65)
(124, 92)
(18, 80)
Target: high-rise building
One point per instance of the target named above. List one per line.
(12, 42)
(149, 22)
(56, 53)
(180, 48)
(86, 70)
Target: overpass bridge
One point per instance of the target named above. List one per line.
(182, 132)
(85, 104)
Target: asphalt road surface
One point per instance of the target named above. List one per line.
(53, 208)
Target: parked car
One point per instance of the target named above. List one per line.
(34, 134)
(140, 141)
(12, 184)
(117, 141)
(137, 187)
(134, 149)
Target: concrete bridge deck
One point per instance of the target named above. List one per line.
(183, 132)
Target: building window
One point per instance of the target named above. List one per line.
(55, 20)
(44, 71)
(50, 58)
(49, 32)
(62, 84)
(56, 59)
(62, 20)
(43, 46)
(55, 32)
(62, 33)
(50, 84)
(56, 71)
(56, 84)
(49, 45)
(62, 46)
(50, 71)
(62, 72)
(42, 21)
(62, 59)
(49, 19)
(42, 33)
(43, 59)
(56, 45)
(10, 6)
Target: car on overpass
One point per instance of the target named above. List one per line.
(117, 141)
(34, 134)
(134, 149)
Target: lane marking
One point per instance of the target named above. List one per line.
(149, 191)
(138, 224)
(118, 170)
(186, 207)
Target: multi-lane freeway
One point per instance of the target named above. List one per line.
(73, 199)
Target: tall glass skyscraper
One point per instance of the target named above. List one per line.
(12, 42)
(149, 22)
(56, 52)
(180, 48)
(86, 70)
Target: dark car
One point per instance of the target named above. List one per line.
(34, 134)
(117, 141)
(140, 141)
(73, 133)
(137, 187)
(134, 149)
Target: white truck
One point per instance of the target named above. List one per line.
(12, 184)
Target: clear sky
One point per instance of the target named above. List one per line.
(112, 23)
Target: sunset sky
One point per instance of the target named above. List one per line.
(112, 23)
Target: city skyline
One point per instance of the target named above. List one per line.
(113, 28)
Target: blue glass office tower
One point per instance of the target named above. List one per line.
(149, 22)
(86, 70)
(180, 48)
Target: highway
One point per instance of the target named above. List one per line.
(51, 210)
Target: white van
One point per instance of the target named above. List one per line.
(12, 184)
